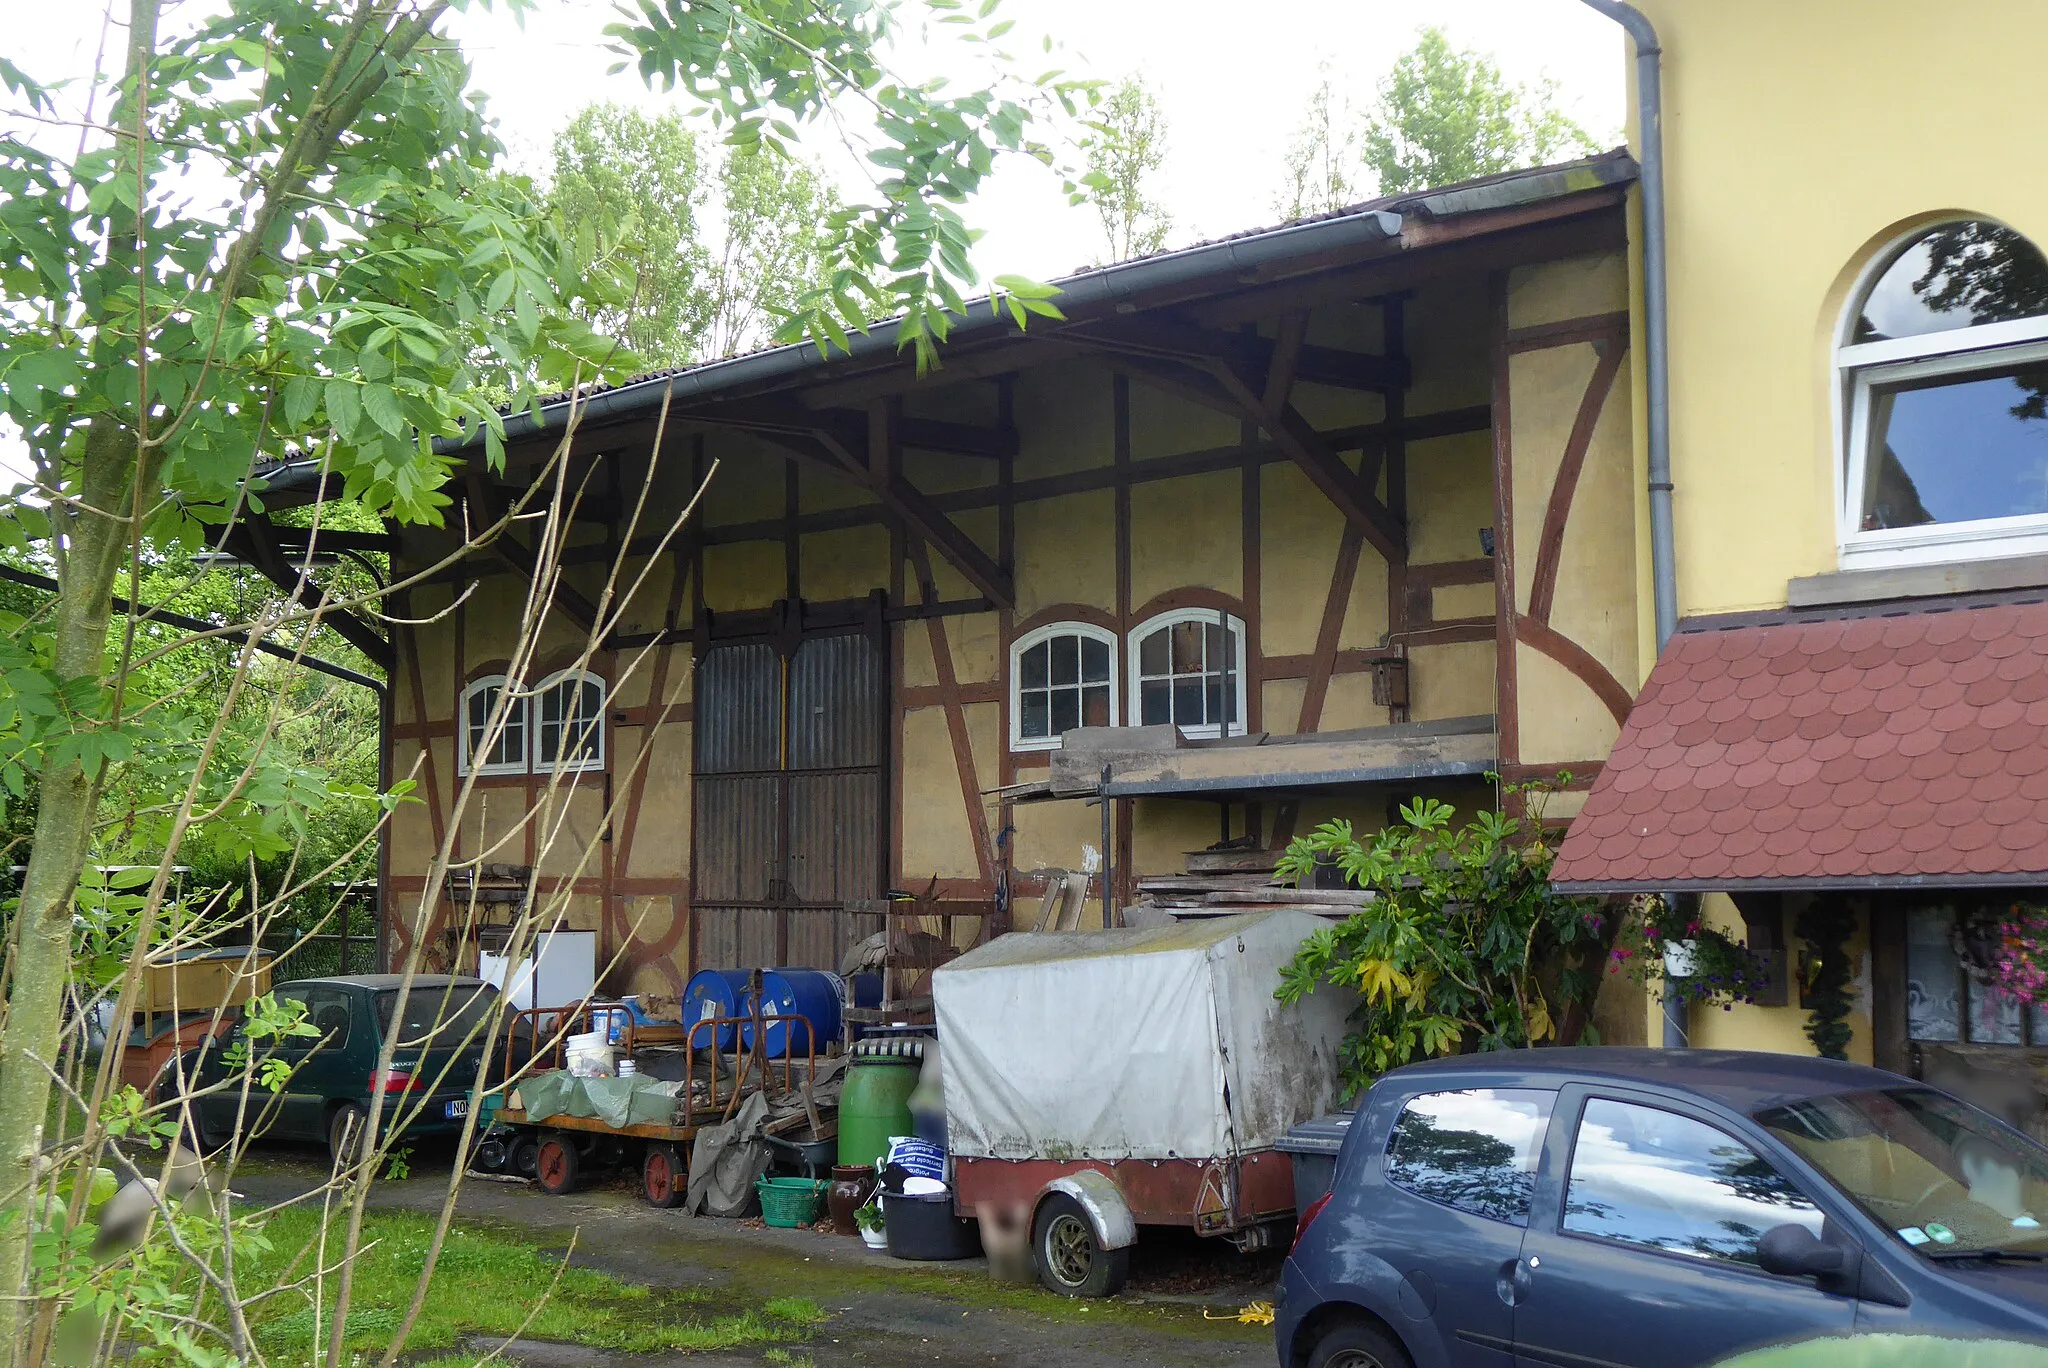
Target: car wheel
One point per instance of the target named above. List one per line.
(557, 1168)
(1354, 1345)
(345, 1135)
(191, 1132)
(662, 1176)
(1071, 1261)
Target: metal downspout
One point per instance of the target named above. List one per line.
(1656, 349)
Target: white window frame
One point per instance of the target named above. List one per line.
(524, 704)
(1038, 635)
(1859, 366)
(540, 691)
(1134, 704)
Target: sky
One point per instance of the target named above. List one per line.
(1231, 79)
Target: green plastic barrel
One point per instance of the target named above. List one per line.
(874, 1104)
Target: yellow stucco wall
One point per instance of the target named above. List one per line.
(1802, 138)
(1841, 127)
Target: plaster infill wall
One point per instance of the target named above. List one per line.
(1567, 502)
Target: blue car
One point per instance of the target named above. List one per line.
(1592, 1208)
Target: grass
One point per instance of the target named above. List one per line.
(486, 1284)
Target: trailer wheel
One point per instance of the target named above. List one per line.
(522, 1158)
(558, 1168)
(662, 1173)
(1070, 1259)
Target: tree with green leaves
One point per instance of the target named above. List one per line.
(1322, 167)
(1443, 114)
(1125, 148)
(637, 183)
(720, 243)
(1447, 114)
(274, 234)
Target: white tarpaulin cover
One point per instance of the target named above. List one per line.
(1158, 1043)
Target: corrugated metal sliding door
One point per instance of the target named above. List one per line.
(789, 800)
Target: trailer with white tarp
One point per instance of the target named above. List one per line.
(1112, 1079)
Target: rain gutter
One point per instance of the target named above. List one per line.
(1656, 350)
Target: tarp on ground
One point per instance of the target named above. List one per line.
(1157, 1043)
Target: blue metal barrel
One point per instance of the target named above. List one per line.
(715, 993)
(812, 994)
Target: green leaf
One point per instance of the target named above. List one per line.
(380, 402)
(343, 409)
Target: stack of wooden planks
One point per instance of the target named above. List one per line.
(1221, 883)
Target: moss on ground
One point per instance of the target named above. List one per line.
(585, 1306)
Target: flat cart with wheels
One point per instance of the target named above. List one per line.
(560, 1150)
(1102, 1081)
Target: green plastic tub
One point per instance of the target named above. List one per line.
(791, 1202)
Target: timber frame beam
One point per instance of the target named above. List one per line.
(487, 508)
(1175, 338)
(1223, 388)
(866, 450)
(255, 541)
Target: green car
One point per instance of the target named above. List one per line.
(443, 1041)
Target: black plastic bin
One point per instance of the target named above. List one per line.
(922, 1226)
(1313, 1147)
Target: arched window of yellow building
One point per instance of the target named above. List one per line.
(1944, 367)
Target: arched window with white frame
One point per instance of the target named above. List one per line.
(491, 745)
(1187, 668)
(568, 722)
(1943, 363)
(1062, 676)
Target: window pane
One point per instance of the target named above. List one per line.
(1035, 716)
(1994, 1016)
(1212, 643)
(511, 747)
(585, 723)
(1094, 660)
(1921, 1162)
(1156, 699)
(327, 1011)
(1959, 275)
(1034, 672)
(1187, 702)
(1152, 653)
(1066, 710)
(1187, 648)
(1934, 981)
(1095, 713)
(1066, 659)
(1957, 449)
(1212, 701)
(1474, 1150)
(1663, 1181)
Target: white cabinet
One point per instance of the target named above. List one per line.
(562, 970)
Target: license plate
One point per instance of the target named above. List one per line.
(454, 1111)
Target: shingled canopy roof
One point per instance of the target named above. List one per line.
(1875, 748)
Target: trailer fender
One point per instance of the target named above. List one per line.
(1104, 1202)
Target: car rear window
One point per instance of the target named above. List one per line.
(446, 1017)
(1474, 1149)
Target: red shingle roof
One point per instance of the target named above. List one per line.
(1871, 749)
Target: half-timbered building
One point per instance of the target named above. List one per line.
(1349, 504)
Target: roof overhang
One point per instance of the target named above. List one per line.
(1879, 747)
(1380, 227)
(1152, 762)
